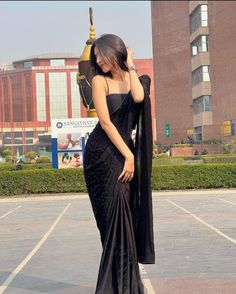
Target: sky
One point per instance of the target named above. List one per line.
(36, 27)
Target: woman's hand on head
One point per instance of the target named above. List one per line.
(130, 57)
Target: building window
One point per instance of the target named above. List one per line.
(6, 100)
(200, 45)
(41, 97)
(29, 141)
(28, 64)
(57, 62)
(75, 96)
(29, 98)
(18, 139)
(199, 18)
(198, 133)
(17, 99)
(204, 15)
(7, 138)
(202, 104)
(197, 105)
(58, 95)
(206, 103)
(201, 74)
(17, 134)
(29, 134)
(29, 137)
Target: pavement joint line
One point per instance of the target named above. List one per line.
(193, 192)
(233, 203)
(80, 195)
(9, 212)
(44, 198)
(203, 222)
(147, 283)
(7, 282)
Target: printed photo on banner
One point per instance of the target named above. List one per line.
(70, 159)
(69, 141)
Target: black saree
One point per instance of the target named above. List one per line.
(123, 211)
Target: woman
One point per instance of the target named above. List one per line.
(117, 173)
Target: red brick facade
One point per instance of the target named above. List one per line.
(18, 101)
(174, 64)
(145, 66)
(222, 43)
(171, 59)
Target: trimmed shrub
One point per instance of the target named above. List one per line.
(168, 161)
(229, 158)
(6, 152)
(7, 166)
(32, 166)
(220, 155)
(194, 157)
(194, 176)
(41, 181)
(162, 155)
(176, 177)
(213, 141)
(43, 159)
(30, 155)
(10, 158)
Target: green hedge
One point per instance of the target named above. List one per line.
(163, 178)
(161, 155)
(10, 167)
(167, 161)
(194, 176)
(227, 158)
(194, 157)
(41, 181)
(220, 155)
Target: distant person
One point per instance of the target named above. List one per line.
(36, 157)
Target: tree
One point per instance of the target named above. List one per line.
(30, 155)
(5, 152)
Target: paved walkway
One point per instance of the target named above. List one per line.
(51, 244)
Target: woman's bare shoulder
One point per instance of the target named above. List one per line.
(98, 79)
(99, 84)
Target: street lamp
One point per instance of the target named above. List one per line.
(85, 74)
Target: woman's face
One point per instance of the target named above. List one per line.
(103, 64)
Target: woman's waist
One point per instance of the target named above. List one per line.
(98, 134)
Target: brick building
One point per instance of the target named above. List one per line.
(194, 69)
(37, 89)
(145, 66)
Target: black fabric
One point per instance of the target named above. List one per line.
(123, 211)
(141, 184)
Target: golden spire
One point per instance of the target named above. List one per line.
(86, 53)
(92, 31)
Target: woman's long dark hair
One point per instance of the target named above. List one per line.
(113, 51)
